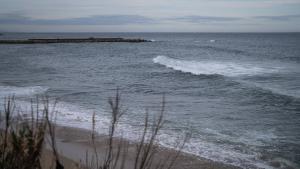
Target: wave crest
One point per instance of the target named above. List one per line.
(210, 67)
(21, 91)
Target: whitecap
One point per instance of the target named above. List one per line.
(211, 67)
(21, 91)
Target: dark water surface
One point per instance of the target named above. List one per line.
(238, 93)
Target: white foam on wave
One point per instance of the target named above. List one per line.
(67, 114)
(21, 91)
(226, 153)
(211, 67)
(81, 117)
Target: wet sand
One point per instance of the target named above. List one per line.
(73, 144)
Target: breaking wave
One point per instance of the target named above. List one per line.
(211, 67)
(21, 91)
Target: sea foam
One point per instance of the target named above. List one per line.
(211, 67)
(21, 91)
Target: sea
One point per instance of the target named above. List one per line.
(236, 94)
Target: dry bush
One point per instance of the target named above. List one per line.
(22, 138)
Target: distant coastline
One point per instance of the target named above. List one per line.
(72, 40)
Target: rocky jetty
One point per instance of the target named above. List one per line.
(72, 40)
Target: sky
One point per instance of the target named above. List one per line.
(149, 15)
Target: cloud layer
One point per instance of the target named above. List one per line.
(154, 15)
(133, 19)
(91, 20)
(205, 19)
(279, 18)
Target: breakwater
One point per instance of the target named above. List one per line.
(72, 40)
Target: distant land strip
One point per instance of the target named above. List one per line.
(72, 40)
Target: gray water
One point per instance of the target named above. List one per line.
(239, 94)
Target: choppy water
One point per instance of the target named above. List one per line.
(238, 93)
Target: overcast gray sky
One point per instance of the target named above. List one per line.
(150, 15)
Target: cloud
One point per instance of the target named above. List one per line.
(216, 19)
(89, 20)
(205, 19)
(278, 18)
(12, 18)
(16, 18)
(131, 23)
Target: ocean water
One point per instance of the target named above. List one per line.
(238, 94)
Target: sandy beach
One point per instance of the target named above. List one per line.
(73, 144)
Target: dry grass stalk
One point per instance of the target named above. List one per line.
(24, 137)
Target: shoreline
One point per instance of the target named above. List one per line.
(74, 143)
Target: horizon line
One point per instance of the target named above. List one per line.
(2, 32)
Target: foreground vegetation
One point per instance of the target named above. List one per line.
(23, 139)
